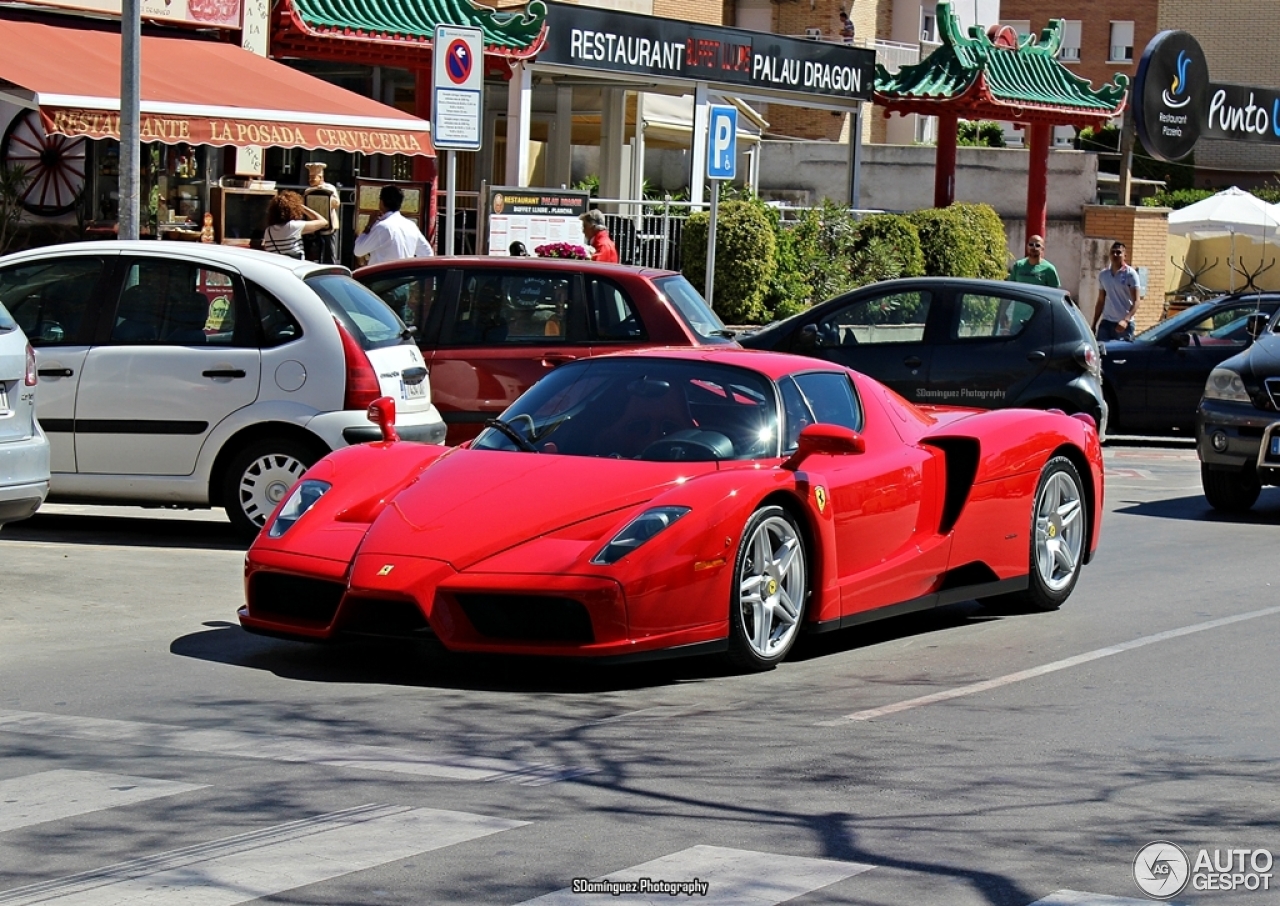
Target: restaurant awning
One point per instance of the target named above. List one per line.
(193, 91)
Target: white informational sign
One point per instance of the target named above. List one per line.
(457, 99)
(535, 217)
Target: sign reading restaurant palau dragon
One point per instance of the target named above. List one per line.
(1175, 104)
(585, 37)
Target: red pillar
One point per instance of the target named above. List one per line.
(944, 170)
(424, 168)
(1038, 180)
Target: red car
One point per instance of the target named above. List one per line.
(491, 327)
(679, 502)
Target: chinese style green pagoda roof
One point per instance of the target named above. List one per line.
(998, 76)
(400, 32)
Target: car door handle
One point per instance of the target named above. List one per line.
(224, 373)
(551, 361)
(1038, 355)
(54, 372)
(912, 361)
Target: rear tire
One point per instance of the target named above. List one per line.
(259, 477)
(1230, 490)
(1059, 539)
(770, 590)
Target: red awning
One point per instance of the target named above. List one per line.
(193, 91)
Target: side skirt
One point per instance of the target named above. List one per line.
(925, 602)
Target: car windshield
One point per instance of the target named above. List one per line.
(693, 309)
(370, 320)
(642, 408)
(1190, 319)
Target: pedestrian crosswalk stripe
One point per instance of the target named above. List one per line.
(731, 876)
(54, 795)
(1081, 898)
(265, 862)
(241, 744)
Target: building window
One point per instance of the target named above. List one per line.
(1070, 51)
(928, 28)
(1121, 43)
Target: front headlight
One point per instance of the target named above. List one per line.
(303, 498)
(1224, 384)
(638, 531)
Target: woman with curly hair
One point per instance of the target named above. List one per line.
(288, 220)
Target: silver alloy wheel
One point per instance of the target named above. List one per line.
(1060, 526)
(771, 587)
(265, 483)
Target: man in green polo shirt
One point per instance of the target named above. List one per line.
(1033, 268)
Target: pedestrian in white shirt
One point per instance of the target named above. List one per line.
(391, 236)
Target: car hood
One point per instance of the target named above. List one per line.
(474, 504)
(1263, 357)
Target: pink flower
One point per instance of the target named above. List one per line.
(561, 250)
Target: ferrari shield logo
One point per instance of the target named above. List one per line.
(820, 498)
(386, 570)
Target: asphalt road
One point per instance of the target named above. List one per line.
(152, 752)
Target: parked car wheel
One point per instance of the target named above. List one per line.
(1230, 490)
(260, 476)
(770, 590)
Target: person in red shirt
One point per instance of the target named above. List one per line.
(593, 227)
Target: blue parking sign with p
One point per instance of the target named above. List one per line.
(722, 143)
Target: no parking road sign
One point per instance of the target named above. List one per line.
(457, 101)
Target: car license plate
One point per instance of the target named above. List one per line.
(414, 391)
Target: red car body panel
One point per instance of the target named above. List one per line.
(466, 380)
(453, 537)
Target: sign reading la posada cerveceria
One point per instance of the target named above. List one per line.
(590, 38)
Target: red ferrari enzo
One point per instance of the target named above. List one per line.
(680, 502)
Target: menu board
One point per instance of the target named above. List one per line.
(535, 217)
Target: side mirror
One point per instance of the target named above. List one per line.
(382, 412)
(1180, 340)
(1257, 323)
(807, 339)
(833, 440)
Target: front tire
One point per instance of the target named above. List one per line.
(770, 591)
(1230, 490)
(1059, 538)
(259, 477)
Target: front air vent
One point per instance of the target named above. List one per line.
(527, 618)
(292, 598)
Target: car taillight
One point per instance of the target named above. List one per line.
(1087, 356)
(362, 380)
(30, 377)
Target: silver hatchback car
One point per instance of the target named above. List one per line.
(24, 450)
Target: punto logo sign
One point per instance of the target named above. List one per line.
(1171, 95)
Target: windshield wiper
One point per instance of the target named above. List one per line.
(509, 431)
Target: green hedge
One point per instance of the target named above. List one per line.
(746, 258)
(885, 246)
(963, 240)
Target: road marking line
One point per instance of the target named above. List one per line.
(734, 877)
(1082, 898)
(53, 795)
(1032, 673)
(238, 744)
(265, 862)
(1141, 474)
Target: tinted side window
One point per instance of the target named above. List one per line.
(49, 300)
(985, 317)
(898, 318)
(366, 317)
(411, 296)
(613, 316)
(175, 303)
(831, 399)
(277, 324)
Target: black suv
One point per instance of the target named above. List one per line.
(944, 340)
(1238, 423)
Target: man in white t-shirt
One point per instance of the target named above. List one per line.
(391, 236)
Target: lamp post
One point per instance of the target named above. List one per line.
(130, 116)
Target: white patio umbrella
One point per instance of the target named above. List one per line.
(1231, 211)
